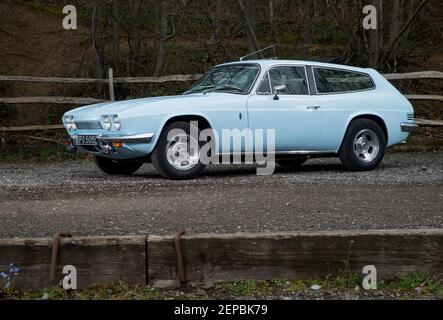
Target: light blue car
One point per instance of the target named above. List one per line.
(315, 110)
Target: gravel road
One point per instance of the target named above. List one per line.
(40, 199)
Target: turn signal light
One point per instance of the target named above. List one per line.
(117, 144)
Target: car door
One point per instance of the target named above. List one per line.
(294, 114)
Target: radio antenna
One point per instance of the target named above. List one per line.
(251, 54)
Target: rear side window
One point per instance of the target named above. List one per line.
(336, 81)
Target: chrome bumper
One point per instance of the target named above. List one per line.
(410, 127)
(106, 144)
(138, 138)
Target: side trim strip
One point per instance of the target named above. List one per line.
(294, 152)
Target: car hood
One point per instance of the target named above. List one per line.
(110, 108)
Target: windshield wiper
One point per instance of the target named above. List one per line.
(201, 88)
(223, 87)
(210, 88)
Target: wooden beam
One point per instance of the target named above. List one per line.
(51, 80)
(172, 78)
(218, 257)
(414, 75)
(423, 97)
(97, 259)
(55, 100)
(429, 123)
(32, 128)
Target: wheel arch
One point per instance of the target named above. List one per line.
(203, 122)
(374, 117)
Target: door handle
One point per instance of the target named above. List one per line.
(313, 107)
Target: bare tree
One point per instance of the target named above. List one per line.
(161, 36)
(272, 24)
(135, 62)
(401, 34)
(308, 25)
(214, 42)
(115, 36)
(97, 37)
(374, 36)
(248, 12)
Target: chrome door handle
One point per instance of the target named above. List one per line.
(313, 107)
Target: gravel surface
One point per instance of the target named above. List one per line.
(40, 199)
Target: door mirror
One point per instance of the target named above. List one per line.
(277, 89)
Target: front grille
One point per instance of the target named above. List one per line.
(88, 125)
(410, 116)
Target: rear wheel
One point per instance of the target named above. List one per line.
(292, 162)
(175, 155)
(363, 146)
(111, 166)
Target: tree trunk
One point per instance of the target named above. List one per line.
(115, 36)
(308, 26)
(374, 38)
(136, 57)
(161, 36)
(214, 42)
(97, 39)
(272, 24)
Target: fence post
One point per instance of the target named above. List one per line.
(111, 85)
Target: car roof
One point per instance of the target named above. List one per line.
(266, 63)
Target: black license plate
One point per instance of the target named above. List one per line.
(85, 140)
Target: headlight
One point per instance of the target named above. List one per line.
(70, 124)
(117, 124)
(107, 122)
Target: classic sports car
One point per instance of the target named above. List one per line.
(316, 109)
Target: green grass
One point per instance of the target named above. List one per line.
(414, 286)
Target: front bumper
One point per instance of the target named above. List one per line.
(137, 138)
(409, 127)
(116, 146)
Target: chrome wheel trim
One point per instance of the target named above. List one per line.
(366, 145)
(179, 153)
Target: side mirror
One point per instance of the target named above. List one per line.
(277, 89)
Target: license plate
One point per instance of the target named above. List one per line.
(85, 140)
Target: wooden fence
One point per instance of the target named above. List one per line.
(111, 81)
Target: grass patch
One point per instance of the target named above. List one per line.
(414, 286)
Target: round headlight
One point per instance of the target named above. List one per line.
(70, 124)
(117, 124)
(107, 123)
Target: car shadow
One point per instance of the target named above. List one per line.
(229, 171)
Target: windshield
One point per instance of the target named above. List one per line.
(236, 78)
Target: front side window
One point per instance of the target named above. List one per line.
(336, 81)
(293, 78)
(236, 78)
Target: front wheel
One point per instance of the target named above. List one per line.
(363, 146)
(177, 153)
(116, 167)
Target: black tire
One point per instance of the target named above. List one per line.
(292, 162)
(116, 167)
(160, 159)
(352, 156)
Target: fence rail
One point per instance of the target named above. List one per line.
(111, 81)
